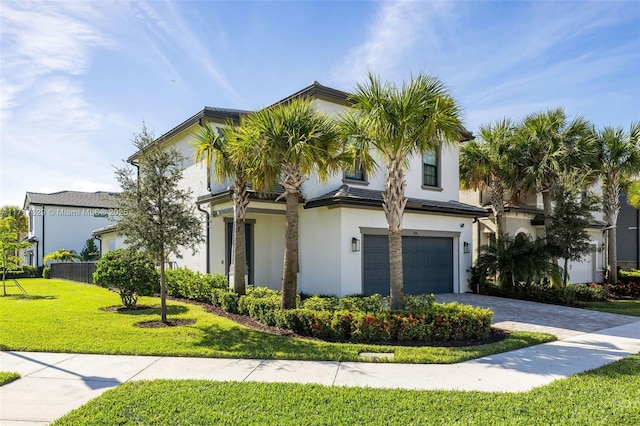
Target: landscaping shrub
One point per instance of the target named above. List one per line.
(543, 292)
(621, 289)
(360, 303)
(185, 283)
(26, 272)
(630, 276)
(46, 272)
(226, 299)
(418, 303)
(320, 303)
(128, 272)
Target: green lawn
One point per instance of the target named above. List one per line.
(607, 396)
(8, 377)
(63, 316)
(625, 307)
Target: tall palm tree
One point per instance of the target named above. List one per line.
(619, 155)
(550, 144)
(489, 165)
(212, 147)
(283, 145)
(397, 124)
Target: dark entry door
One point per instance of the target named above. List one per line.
(248, 232)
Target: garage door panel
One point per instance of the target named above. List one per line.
(427, 264)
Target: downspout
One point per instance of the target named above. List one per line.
(44, 213)
(208, 249)
(97, 237)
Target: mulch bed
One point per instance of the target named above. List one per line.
(124, 309)
(169, 323)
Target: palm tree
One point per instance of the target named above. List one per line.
(488, 165)
(283, 145)
(397, 124)
(212, 147)
(619, 155)
(549, 145)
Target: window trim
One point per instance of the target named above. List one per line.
(353, 180)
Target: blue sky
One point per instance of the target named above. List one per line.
(77, 79)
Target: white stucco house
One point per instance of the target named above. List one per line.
(64, 219)
(343, 246)
(528, 217)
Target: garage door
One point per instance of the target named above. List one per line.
(427, 264)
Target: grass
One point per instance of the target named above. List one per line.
(625, 307)
(607, 396)
(63, 316)
(8, 377)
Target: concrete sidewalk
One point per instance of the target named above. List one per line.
(53, 384)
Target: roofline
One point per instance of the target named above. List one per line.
(319, 91)
(205, 112)
(414, 207)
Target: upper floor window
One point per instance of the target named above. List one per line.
(430, 165)
(357, 173)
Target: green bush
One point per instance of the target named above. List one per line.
(628, 289)
(418, 303)
(128, 272)
(187, 284)
(320, 303)
(46, 272)
(359, 303)
(26, 272)
(226, 299)
(543, 292)
(632, 275)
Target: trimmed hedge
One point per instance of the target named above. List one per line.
(187, 284)
(367, 321)
(543, 292)
(630, 276)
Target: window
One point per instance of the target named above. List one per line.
(357, 174)
(430, 168)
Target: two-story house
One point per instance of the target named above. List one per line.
(343, 246)
(65, 219)
(628, 235)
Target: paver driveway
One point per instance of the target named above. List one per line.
(561, 321)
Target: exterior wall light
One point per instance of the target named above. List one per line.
(466, 247)
(355, 244)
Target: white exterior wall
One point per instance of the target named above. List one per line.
(111, 241)
(63, 227)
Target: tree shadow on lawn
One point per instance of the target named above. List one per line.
(247, 343)
(30, 297)
(147, 310)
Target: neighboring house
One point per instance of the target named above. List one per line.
(343, 246)
(528, 217)
(108, 239)
(64, 219)
(628, 235)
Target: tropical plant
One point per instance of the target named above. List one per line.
(161, 217)
(619, 159)
(128, 272)
(398, 124)
(90, 251)
(212, 147)
(284, 145)
(61, 255)
(22, 222)
(488, 165)
(514, 259)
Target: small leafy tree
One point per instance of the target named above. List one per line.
(90, 251)
(9, 246)
(633, 194)
(160, 217)
(567, 237)
(128, 272)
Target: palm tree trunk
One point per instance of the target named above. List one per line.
(497, 204)
(611, 210)
(240, 202)
(546, 205)
(393, 205)
(290, 267)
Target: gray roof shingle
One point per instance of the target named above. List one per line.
(98, 199)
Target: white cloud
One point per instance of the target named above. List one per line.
(398, 28)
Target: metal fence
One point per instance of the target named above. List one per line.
(80, 271)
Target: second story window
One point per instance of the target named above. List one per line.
(430, 168)
(357, 174)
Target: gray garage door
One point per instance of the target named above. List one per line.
(427, 264)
